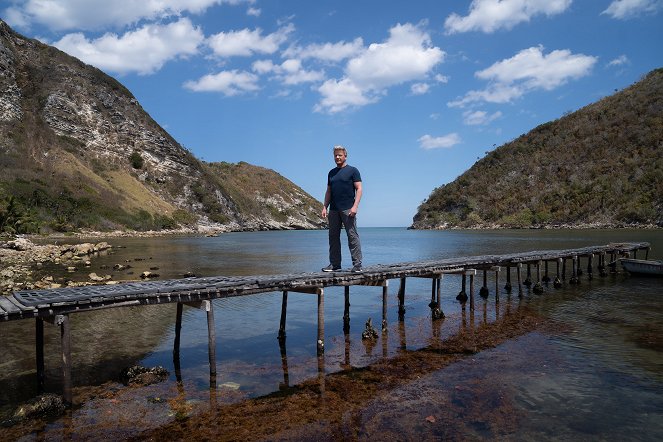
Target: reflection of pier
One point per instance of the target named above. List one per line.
(55, 305)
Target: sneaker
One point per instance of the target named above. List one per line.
(356, 269)
(331, 268)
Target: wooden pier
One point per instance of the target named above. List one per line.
(55, 305)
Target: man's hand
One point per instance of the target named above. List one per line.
(324, 212)
(353, 211)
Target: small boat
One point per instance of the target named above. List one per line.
(642, 266)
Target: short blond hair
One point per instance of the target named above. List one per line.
(339, 147)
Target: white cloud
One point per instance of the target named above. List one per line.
(619, 61)
(528, 70)
(441, 78)
(247, 42)
(144, 50)
(428, 142)
(338, 95)
(61, 15)
(290, 72)
(491, 15)
(419, 88)
(327, 51)
(229, 83)
(625, 9)
(407, 55)
(254, 12)
(479, 118)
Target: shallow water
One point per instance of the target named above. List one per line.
(610, 356)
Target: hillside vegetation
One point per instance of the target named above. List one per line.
(599, 166)
(78, 151)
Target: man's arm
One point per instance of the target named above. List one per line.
(358, 192)
(327, 201)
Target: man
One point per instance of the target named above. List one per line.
(342, 197)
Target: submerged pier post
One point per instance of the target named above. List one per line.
(483, 292)
(519, 270)
(528, 278)
(545, 278)
(538, 288)
(65, 341)
(574, 270)
(557, 283)
(39, 353)
(462, 295)
(507, 286)
(346, 309)
(211, 338)
(497, 283)
(385, 289)
(401, 300)
(284, 311)
(471, 290)
(590, 270)
(321, 321)
(601, 266)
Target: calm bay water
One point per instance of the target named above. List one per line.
(602, 379)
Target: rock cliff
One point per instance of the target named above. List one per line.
(79, 151)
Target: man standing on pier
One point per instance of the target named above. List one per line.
(342, 197)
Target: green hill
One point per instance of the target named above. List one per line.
(599, 166)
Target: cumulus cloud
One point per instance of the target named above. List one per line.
(479, 118)
(290, 72)
(407, 55)
(625, 9)
(419, 88)
(62, 15)
(333, 52)
(444, 142)
(246, 42)
(229, 83)
(490, 15)
(144, 50)
(528, 70)
(254, 12)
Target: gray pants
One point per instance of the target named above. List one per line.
(336, 218)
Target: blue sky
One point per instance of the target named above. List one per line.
(417, 91)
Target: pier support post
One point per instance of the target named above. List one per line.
(538, 288)
(647, 253)
(462, 295)
(563, 269)
(519, 270)
(65, 341)
(346, 310)
(545, 278)
(401, 300)
(528, 278)
(483, 292)
(39, 353)
(601, 267)
(471, 289)
(284, 310)
(508, 287)
(497, 270)
(211, 338)
(385, 290)
(321, 321)
(590, 270)
(557, 283)
(574, 271)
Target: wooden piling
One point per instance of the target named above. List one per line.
(284, 311)
(401, 300)
(39, 353)
(574, 270)
(211, 337)
(558, 282)
(519, 269)
(546, 277)
(471, 290)
(65, 342)
(483, 292)
(346, 310)
(497, 283)
(507, 286)
(590, 270)
(321, 321)
(384, 305)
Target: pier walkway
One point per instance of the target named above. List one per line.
(55, 305)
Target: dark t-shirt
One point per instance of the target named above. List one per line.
(342, 183)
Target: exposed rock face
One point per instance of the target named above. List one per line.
(68, 127)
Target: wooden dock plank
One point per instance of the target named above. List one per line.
(70, 299)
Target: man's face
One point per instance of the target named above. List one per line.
(339, 157)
